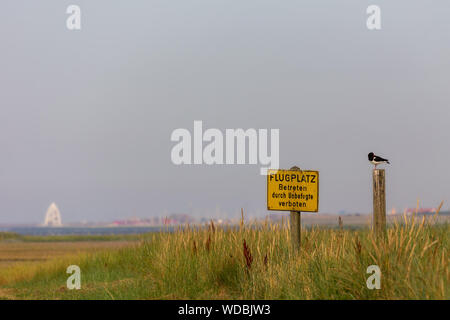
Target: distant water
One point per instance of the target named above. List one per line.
(47, 231)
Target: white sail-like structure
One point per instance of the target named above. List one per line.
(53, 216)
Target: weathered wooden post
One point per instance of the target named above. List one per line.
(296, 224)
(379, 202)
(293, 190)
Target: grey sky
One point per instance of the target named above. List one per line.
(86, 116)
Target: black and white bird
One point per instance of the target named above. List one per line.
(376, 160)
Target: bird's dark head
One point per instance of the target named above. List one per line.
(370, 156)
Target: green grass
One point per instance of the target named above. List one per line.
(8, 236)
(213, 264)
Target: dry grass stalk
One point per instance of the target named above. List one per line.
(208, 243)
(248, 256)
(194, 249)
(358, 246)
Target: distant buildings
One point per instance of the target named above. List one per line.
(53, 216)
(410, 211)
(173, 219)
(137, 222)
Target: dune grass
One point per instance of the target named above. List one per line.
(252, 263)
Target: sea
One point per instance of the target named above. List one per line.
(57, 231)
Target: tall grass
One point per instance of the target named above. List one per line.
(256, 262)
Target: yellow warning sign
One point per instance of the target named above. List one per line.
(291, 190)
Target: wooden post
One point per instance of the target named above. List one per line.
(379, 202)
(296, 223)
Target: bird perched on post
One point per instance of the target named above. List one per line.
(376, 160)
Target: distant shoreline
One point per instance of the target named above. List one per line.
(308, 221)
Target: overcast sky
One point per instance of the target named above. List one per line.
(86, 116)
